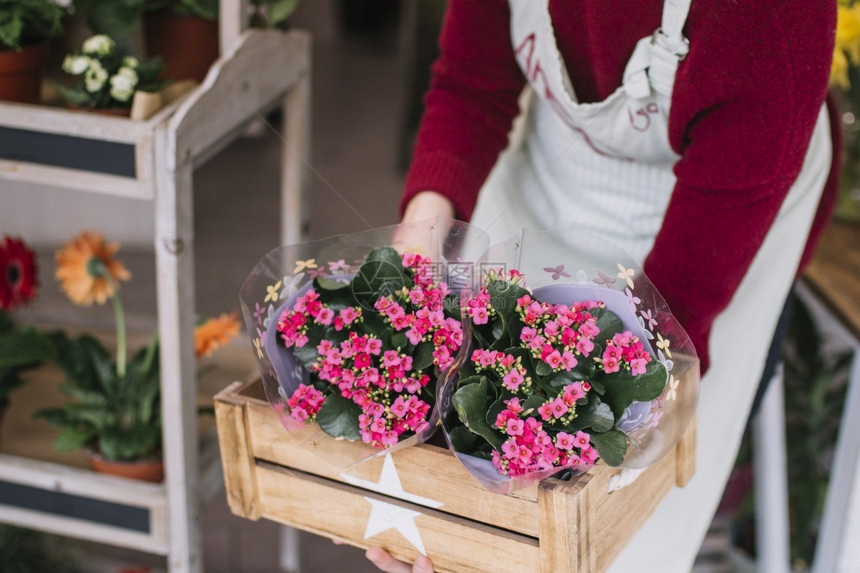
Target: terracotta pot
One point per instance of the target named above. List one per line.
(21, 73)
(149, 469)
(188, 45)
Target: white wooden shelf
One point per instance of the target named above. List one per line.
(154, 160)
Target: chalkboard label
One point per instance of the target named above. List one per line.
(63, 504)
(55, 150)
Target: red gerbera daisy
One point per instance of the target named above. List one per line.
(18, 278)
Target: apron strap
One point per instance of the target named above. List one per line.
(674, 17)
(655, 59)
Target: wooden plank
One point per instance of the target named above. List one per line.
(620, 514)
(174, 257)
(296, 160)
(236, 458)
(261, 67)
(685, 456)
(453, 544)
(566, 526)
(232, 20)
(57, 477)
(63, 479)
(834, 273)
(76, 180)
(156, 542)
(425, 468)
(80, 124)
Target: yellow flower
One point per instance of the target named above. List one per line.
(839, 71)
(847, 48)
(87, 270)
(215, 332)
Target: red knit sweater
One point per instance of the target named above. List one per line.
(745, 102)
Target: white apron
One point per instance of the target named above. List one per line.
(606, 168)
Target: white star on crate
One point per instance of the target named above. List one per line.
(384, 515)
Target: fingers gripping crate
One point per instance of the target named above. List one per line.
(422, 500)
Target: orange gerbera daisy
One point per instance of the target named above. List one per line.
(87, 270)
(214, 333)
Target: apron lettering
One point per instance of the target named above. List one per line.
(642, 121)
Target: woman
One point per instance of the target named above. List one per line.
(693, 135)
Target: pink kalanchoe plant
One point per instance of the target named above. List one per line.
(547, 384)
(372, 345)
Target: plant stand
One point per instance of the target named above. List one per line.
(154, 160)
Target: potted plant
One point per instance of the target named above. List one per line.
(21, 347)
(115, 414)
(25, 28)
(109, 77)
(183, 33)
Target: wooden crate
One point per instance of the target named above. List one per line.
(421, 499)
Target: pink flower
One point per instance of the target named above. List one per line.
(527, 334)
(513, 406)
(349, 315)
(545, 411)
(512, 380)
(585, 346)
(553, 359)
(573, 392)
(480, 316)
(390, 358)
(637, 366)
(389, 438)
(558, 407)
(374, 346)
(515, 427)
(399, 407)
(582, 440)
(610, 365)
(564, 441)
(568, 361)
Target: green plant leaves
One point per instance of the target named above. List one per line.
(338, 417)
(597, 415)
(611, 445)
(622, 389)
(472, 401)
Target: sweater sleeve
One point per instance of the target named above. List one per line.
(470, 107)
(745, 103)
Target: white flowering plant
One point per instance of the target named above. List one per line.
(109, 77)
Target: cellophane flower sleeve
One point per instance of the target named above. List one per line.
(350, 333)
(574, 357)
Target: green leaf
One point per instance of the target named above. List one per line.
(533, 402)
(137, 442)
(542, 368)
(25, 346)
(306, 354)
(423, 357)
(472, 402)
(611, 445)
(381, 274)
(622, 389)
(609, 324)
(597, 415)
(399, 340)
(463, 440)
(280, 10)
(493, 412)
(334, 294)
(72, 438)
(338, 417)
